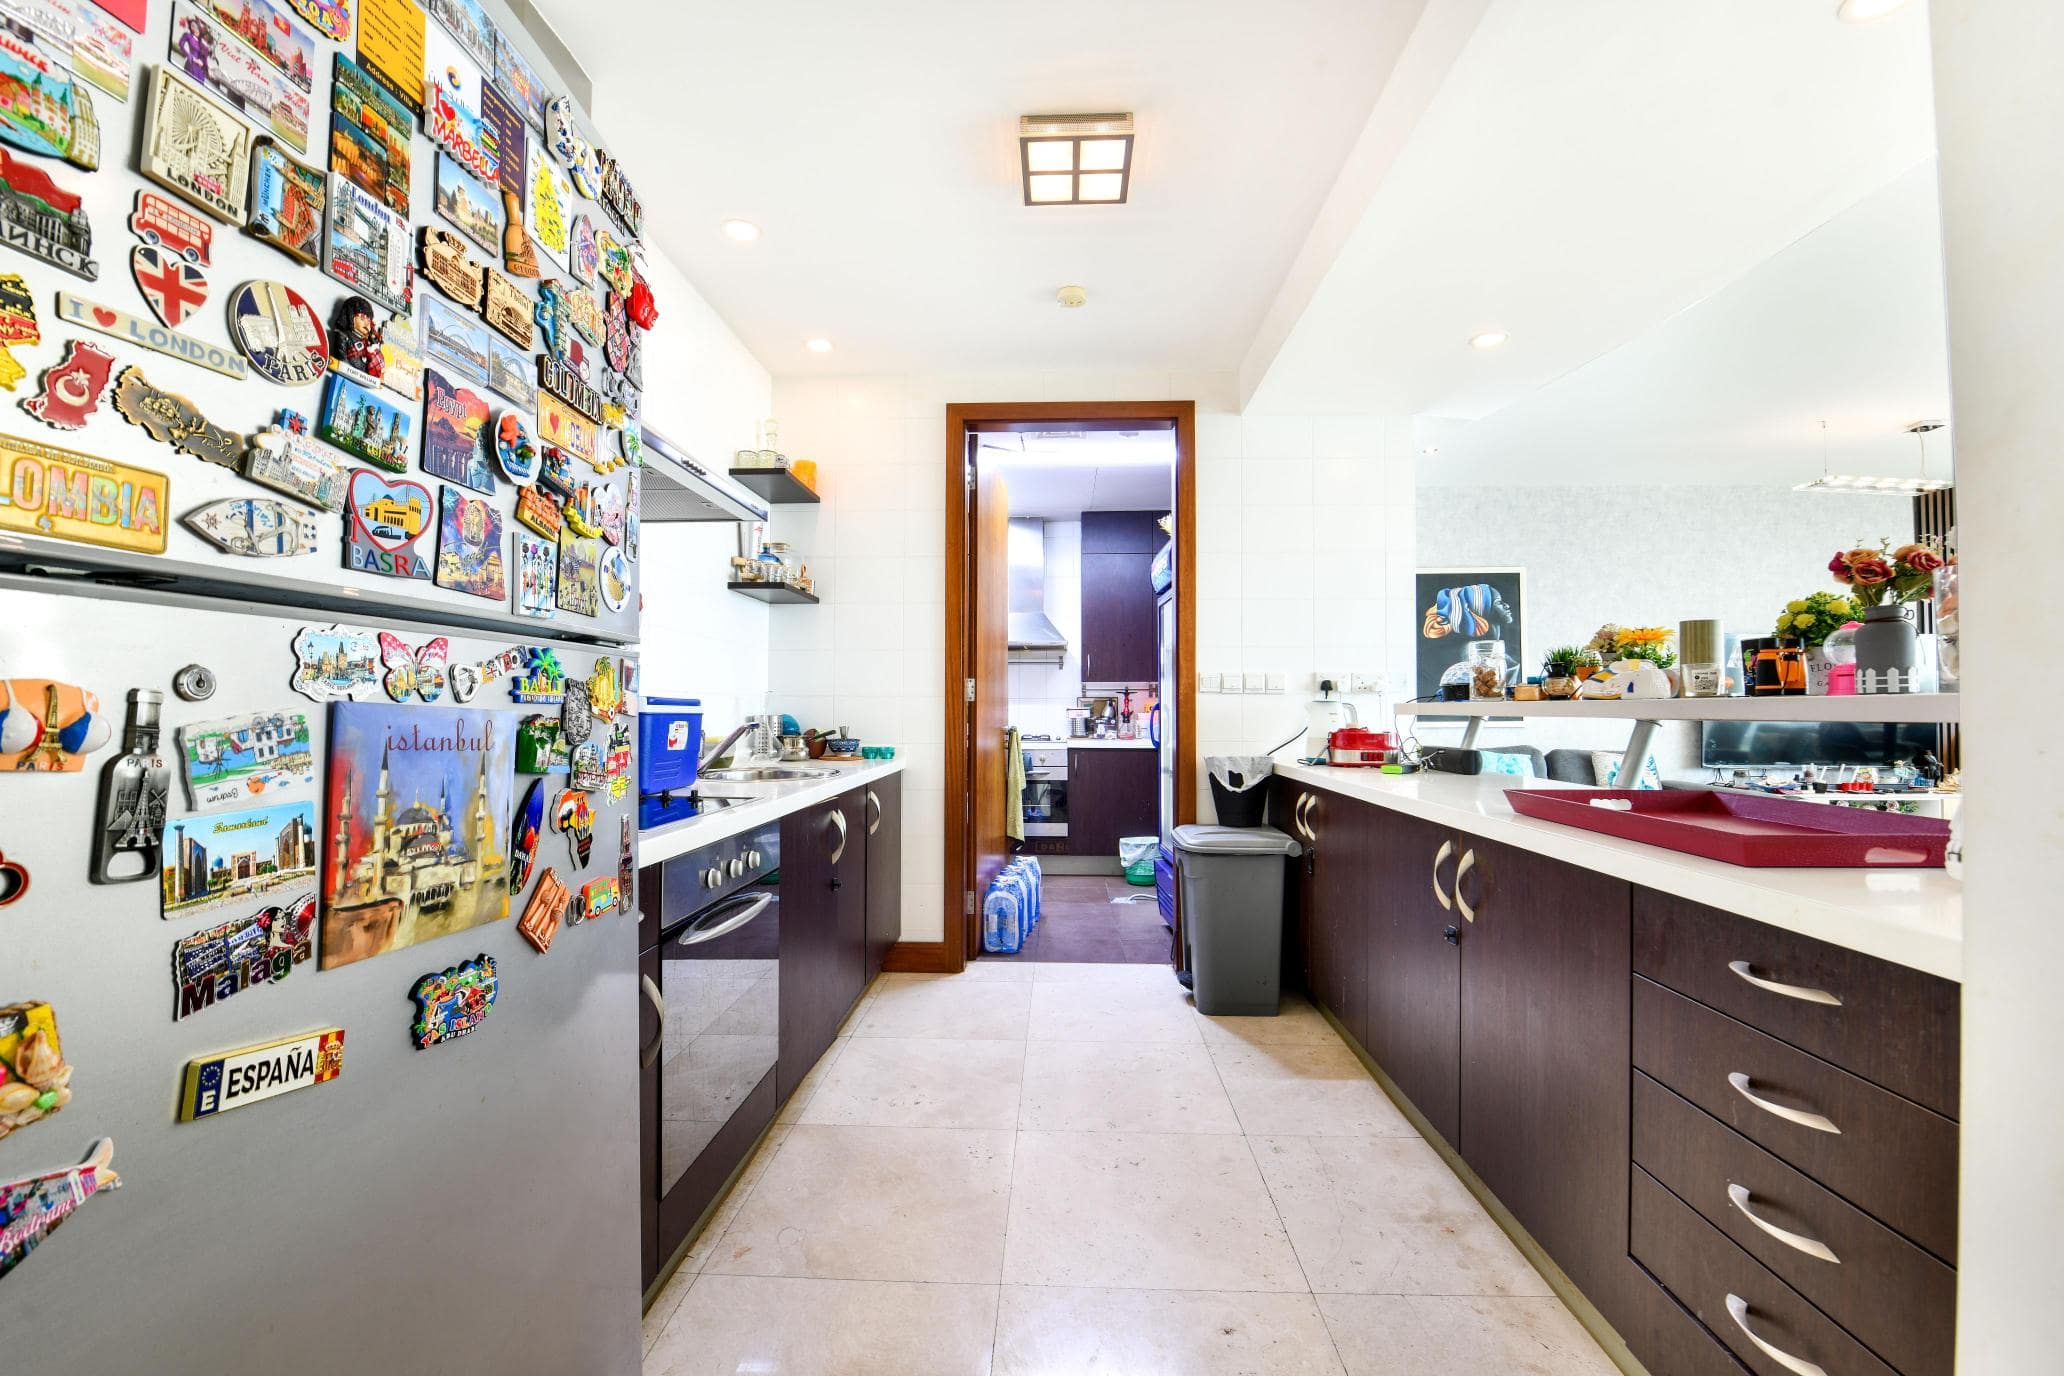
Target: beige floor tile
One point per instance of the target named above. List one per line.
(1124, 1087)
(1384, 1215)
(1296, 1021)
(1047, 1330)
(806, 1088)
(1460, 1335)
(705, 1243)
(670, 1297)
(774, 1326)
(864, 1203)
(1162, 1211)
(1108, 1010)
(921, 1082)
(991, 967)
(1155, 975)
(947, 1006)
(1309, 1088)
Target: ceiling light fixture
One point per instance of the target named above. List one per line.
(1863, 11)
(741, 231)
(1075, 159)
(1882, 487)
(818, 346)
(1489, 339)
(1071, 297)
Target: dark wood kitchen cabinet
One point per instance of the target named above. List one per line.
(1332, 899)
(1122, 532)
(823, 930)
(1112, 792)
(1415, 967)
(1118, 622)
(883, 809)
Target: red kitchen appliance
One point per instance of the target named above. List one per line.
(1358, 746)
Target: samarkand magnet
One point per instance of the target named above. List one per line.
(195, 147)
(235, 761)
(357, 342)
(289, 201)
(384, 519)
(43, 220)
(537, 574)
(524, 833)
(542, 679)
(364, 425)
(32, 1206)
(331, 663)
(285, 457)
(171, 419)
(228, 958)
(541, 916)
(72, 386)
(35, 1080)
(225, 864)
(236, 1079)
(171, 287)
(469, 546)
(416, 673)
(454, 1001)
(575, 820)
(599, 897)
(123, 507)
(254, 527)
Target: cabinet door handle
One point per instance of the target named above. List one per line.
(1297, 815)
(650, 1052)
(874, 803)
(1738, 1196)
(1738, 1310)
(1461, 903)
(1800, 1116)
(838, 820)
(1790, 991)
(1440, 858)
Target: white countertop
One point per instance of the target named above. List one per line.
(1912, 917)
(1088, 743)
(768, 801)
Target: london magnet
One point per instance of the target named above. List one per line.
(194, 146)
(237, 1079)
(171, 287)
(72, 386)
(166, 224)
(66, 495)
(285, 457)
(77, 310)
(366, 246)
(253, 527)
(454, 1001)
(280, 333)
(332, 663)
(384, 519)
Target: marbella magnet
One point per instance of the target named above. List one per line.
(72, 386)
(171, 419)
(236, 1079)
(583, 254)
(280, 333)
(538, 747)
(364, 425)
(332, 663)
(236, 761)
(253, 527)
(599, 897)
(563, 381)
(35, 1080)
(562, 426)
(613, 578)
(366, 246)
(515, 452)
(542, 679)
(289, 202)
(542, 915)
(195, 147)
(575, 820)
(413, 674)
(585, 766)
(452, 83)
(357, 342)
(370, 134)
(66, 495)
(580, 559)
(450, 269)
(576, 713)
(507, 309)
(161, 223)
(471, 206)
(171, 287)
(469, 546)
(511, 374)
(32, 1206)
(453, 1001)
(541, 511)
(529, 824)
(43, 220)
(537, 574)
(285, 457)
(384, 519)
(14, 880)
(77, 310)
(222, 961)
(455, 438)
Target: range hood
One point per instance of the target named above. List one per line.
(1034, 639)
(676, 488)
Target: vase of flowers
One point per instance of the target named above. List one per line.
(1883, 581)
(1813, 618)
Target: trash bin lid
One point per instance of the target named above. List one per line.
(1198, 839)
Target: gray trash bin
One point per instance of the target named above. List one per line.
(1232, 897)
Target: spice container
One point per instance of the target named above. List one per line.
(1701, 669)
(1484, 671)
(1791, 666)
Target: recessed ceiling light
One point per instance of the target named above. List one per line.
(1489, 339)
(1863, 11)
(744, 231)
(818, 346)
(1075, 159)
(1071, 297)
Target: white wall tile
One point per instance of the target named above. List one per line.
(1277, 437)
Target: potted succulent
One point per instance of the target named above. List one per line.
(1561, 678)
(1812, 619)
(1883, 581)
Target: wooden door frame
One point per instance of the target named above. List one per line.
(961, 933)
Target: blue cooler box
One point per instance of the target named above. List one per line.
(669, 747)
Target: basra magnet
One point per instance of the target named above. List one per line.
(454, 1001)
(49, 727)
(235, 1079)
(32, 1206)
(449, 268)
(171, 419)
(228, 958)
(195, 147)
(72, 386)
(416, 673)
(524, 833)
(538, 747)
(332, 663)
(171, 287)
(285, 457)
(253, 527)
(586, 766)
(364, 425)
(385, 517)
(575, 820)
(35, 1081)
(236, 761)
(599, 897)
(541, 916)
(542, 679)
(43, 220)
(134, 787)
(280, 333)
(576, 713)
(17, 326)
(357, 343)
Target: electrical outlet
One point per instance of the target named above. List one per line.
(1257, 683)
(1208, 683)
(1368, 683)
(1278, 683)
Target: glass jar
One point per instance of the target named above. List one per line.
(1489, 671)
(1948, 626)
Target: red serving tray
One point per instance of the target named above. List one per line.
(1741, 829)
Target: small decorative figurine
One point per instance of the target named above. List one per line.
(357, 342)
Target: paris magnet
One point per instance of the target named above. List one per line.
(524, 831)
(575, 820)
(280, 333)
(254, 527)
(72, 386)
(49, 727)
(542, 915)
(134, 787)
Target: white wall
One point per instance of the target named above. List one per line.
(1041, 694)
(1998, 106)
(1304, 551)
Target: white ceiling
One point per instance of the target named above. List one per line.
(1585, 173)
(875, 146)
(1063, 475)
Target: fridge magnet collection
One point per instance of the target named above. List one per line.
(32, 1206)
(237, 1079)
(222, 961)
(454, 1001)
(216, 863)
(134, 789)
(418, 673)
(542, 915)
(35, 1080)
(234, 760)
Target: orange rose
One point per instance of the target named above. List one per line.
(1919, 558)
(1870, 571)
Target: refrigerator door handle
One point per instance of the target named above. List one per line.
(658, 1001)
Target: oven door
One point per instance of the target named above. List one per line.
(1046, 802)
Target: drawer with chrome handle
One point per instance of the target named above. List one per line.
(1894, 1026)
(1762, 1320)
(1899, 1301)
(1888, 1156)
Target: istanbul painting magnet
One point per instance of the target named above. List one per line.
(453, 1001)
(419, 807)
(469, 546)
(332, 663)
(384, 518)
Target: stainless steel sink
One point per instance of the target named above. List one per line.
(767, 774)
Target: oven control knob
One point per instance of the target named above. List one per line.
(737, 866)
(752, 857)
(713, 878)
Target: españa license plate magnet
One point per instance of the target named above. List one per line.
(215, 1084)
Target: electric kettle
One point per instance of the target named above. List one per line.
(1324, 715)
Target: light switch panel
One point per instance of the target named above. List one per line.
(1257, 683)
(1208, 683)
(1278, 683)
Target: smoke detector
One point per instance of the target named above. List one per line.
(1071, 297)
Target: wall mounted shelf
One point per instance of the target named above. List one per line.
(775, 592)
(777, 485)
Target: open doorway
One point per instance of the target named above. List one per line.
(1111, 488)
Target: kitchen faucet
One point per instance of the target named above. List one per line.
(722, 748)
